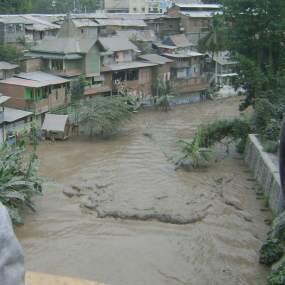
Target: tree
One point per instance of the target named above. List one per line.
(64, 6)
(255, 33)
(214, 41)
(19, 181)
(102, 116)
(77, 88)
(162, 93)
(10, 54)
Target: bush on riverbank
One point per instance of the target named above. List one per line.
(19, 181)
(272, 251)
(277, 276)
(103, 115)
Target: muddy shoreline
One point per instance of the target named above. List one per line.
(145, 222)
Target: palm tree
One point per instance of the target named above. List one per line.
(214, 41)
(163, 91)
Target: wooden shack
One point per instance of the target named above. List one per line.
(56, 127)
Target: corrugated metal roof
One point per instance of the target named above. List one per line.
(40, 24)
(14, 19)
(80, 23)
(183, 55)
(64, 45)
(4, 99)
(178, 40)
(23, 82)
(54, 123)
(117, 43)
(127, 65)
(13, 115)
(7, 66)
(223, 58)
(34, 80)
(53, 56)
(122, 22)
(201, 14)
(159, 45)
(199, 5)
(43, 77)
(155, 58)
(140, 35)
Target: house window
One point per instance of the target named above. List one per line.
(181, 73)
(119, 76)
(57, 64)
(19, 28)
(132, 75)
(11, 28)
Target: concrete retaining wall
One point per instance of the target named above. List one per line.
(266, 173)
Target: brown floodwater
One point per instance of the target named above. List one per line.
(150, 224)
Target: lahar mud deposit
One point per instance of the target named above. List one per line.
(131, 219)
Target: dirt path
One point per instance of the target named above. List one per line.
(149, 223)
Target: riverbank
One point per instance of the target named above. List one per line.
(132, 177)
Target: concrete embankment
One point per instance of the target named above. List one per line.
(266, 172)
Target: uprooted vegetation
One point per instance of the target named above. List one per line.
(197, 152)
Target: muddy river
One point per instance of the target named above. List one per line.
(150, 224)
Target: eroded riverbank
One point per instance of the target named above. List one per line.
(174, 227)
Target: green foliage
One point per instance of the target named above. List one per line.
(103, 115)
(277, 276)
(264, 111)
(215, 40)
(270, 146)
(63, 6)
(14, 6)
(10, 54)
(199, 149)
(162, 93)
(271, 252)
(42, 6)
(278, 228)
(77, 88)
(266, 122)
(19, 181)
(236, 129)
(194, 156)
(255, 34)
(272, 130)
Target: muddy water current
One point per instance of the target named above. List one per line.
(149, 224)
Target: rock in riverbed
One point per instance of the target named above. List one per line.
(88, 202)
(71, 192)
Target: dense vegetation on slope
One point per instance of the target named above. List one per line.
(253, 31)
